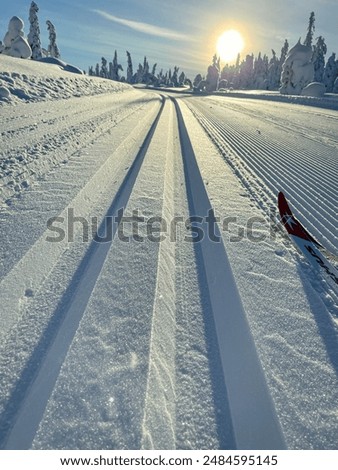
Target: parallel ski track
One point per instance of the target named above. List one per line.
(258, 427)
(161, 409)
(64, 112)
(255, 428)
(47, 145)
(279, 167)
(25, 405)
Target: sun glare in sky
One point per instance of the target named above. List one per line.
(229, 45)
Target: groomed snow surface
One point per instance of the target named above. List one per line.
(130, 334)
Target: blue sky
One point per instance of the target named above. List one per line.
(175, 32)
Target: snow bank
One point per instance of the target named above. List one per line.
(29, 80)
(314, 89)
(61, 64)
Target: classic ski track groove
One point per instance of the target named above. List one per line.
(226, 302)
(66, 113)
(31, 407)
(258, 427)
(155, 396)
(81, 201)
(233, 139)
(22, 122)
(53, 145)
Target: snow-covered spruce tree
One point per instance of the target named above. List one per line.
(139, 74)
(15, 44)
(213, 74)
(104, 68)
(169, 82)
(181, 79)
(159, 78)
(129, 68)
(34, 32)
(260, 72)
(197, 80)
(283, 54)
(284, 51)
(245, 77)
(318, 59)
(164, 78)
(273, 72)
(229, 75)
(298, 70)
(234, 82)
(53, 50)
(146, 75)
(330, 73)
(265, 67)
(174, 78)
(116, 68)
(310, 30)
(152, 79)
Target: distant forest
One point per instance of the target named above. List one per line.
(252, 72)
(143, 74)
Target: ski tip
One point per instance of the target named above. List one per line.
(281, 198)
(283, 205)
(292, 225)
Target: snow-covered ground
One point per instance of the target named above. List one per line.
(29, 81)
(146, 340)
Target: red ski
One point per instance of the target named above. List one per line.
(304, 241)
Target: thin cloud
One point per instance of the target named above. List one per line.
(144, 27)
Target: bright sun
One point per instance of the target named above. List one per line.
(229, 45)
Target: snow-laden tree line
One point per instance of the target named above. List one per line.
(143, 74)
(15, 43)
(290, 71)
